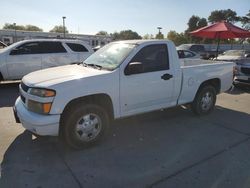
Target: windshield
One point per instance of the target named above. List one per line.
(110, 56)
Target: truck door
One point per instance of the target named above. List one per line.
(24, 59)
(151, 87)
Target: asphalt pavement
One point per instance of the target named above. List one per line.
(170, 148)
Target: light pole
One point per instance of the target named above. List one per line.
(64, 17)
(14, 24)
(159, 28)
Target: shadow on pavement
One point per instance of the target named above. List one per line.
(8, 94)
(137, 152)
(238, 90)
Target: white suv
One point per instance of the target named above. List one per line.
(27, 56)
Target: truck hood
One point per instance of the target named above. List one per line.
(52, 76)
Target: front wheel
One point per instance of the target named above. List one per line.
(84, 125)
(204, 101)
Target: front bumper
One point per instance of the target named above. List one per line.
(243, 80)
(47, 125)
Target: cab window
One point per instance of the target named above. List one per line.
(153, 57)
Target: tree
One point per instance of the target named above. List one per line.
(220, 15)
(148, 36)
(177, 38)
(12, 26)
(104, 33)
(22, 27)
(245, 21)
(159, 36)
(202, 22)
(59, 29)
(126, 35)
(195, 22)
(32, 28)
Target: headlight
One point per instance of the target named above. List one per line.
(38, 107)
(42, 92)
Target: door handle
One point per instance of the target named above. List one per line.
(166, 76)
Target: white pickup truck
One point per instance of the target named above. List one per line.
(121, 79)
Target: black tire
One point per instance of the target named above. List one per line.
(204, 101)
(78, 127)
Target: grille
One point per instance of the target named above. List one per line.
(24, 87)
(245, 70)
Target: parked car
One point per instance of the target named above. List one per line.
(27, 56)
(200, 49)
(121, 79)
(242, 68)
(187, 54)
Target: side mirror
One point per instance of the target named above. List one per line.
(133, 68)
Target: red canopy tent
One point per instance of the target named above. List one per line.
(221, 30)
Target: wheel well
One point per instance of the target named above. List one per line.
(213, 82)
(102, 100)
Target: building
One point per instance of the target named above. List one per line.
(9, 36)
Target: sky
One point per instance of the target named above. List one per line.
(91, 16)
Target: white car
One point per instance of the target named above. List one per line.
(121, 79)
(27, 56)
(242, 68)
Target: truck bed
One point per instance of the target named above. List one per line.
(195, 72)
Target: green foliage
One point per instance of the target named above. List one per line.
(13, 26)
(32, 28)
(148, 36)
(227, 15)
(177, 38)
(22, 27)
(125, 35)
(159, 36)
(103, 33)
(195, 22)
(245, 20)
(59, 29)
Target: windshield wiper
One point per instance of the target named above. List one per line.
(92, 65)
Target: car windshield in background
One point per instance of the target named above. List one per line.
(234, 53)
(110, 56)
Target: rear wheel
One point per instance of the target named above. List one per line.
(204, 100)
(84, 125)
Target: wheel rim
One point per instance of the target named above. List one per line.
(206, 101)
(88, 127)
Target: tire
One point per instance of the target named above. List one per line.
(204, 101)
(84, 125)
